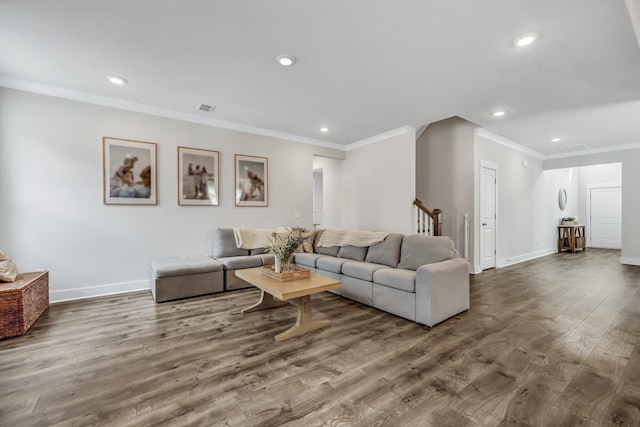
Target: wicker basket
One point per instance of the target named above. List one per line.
(293, 273)
(22, 302)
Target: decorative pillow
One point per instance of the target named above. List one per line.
(316, 239)
(307, 245)
(8, 270)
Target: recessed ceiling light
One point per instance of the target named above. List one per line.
(117, 80)
(555, 140)
(324, 129)
(286, 60)
(525, 39)
(498, 113)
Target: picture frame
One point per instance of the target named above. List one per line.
(251, 181)
(198, 177)
(129, 172)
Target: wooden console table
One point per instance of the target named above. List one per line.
(571, 237)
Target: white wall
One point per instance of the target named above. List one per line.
(378, 183)
(630, 160)
(51, 210)
(528, 211)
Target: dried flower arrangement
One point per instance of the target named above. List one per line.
(284, 247)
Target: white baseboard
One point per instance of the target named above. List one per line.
(475, 269)
(526, 257)
(630, 261)
(97, 291)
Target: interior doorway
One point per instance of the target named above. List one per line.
(488, 213)
(318, 201)
(604, 218)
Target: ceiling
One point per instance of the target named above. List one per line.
(363, 67)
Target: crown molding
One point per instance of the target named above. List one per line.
(507, 142)
(381, 137)
(632, 146)
(74, 95)
(633, 7)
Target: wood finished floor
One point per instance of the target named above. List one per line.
(549, 342)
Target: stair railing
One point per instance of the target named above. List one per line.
(427, 223)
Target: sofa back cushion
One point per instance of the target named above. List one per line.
(386, 252)
(419, 250)
(324, 250)
(353, 252)
(224, 244)
(331, 251)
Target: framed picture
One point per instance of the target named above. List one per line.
(129, 172)
(252, 181)
(198, 177)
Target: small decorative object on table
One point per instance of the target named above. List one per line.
(283, 247)
(569, 220)
(293, 273)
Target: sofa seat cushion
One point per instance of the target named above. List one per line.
(419, 250)
(241, 262)
(307, 259)
(405, 280)
(331, 264)
(172, 267)
(361, 270)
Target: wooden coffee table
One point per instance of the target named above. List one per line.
(297, 292)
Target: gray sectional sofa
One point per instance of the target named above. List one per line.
(416, 277)
(233, 258)
(419, 278)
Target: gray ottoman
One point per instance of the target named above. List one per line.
(174, 278)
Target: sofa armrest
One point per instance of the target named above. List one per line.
(442, 290)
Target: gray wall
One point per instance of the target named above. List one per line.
(445, 173)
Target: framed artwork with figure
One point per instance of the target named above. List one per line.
(252, 181)
(198, 177)
(129, 172)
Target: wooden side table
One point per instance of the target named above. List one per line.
(571, 237)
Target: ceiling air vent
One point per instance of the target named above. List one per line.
(573, 148)
(206, 108)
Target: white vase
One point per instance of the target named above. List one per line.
(282, 265)
(279, 265)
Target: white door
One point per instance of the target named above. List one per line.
(488, 184)
(606, 218)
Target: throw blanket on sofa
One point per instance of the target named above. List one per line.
(336, 237)
(256, 238)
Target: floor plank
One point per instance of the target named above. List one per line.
(533, 350)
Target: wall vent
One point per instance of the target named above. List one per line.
(573, 148)
(206, 108)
